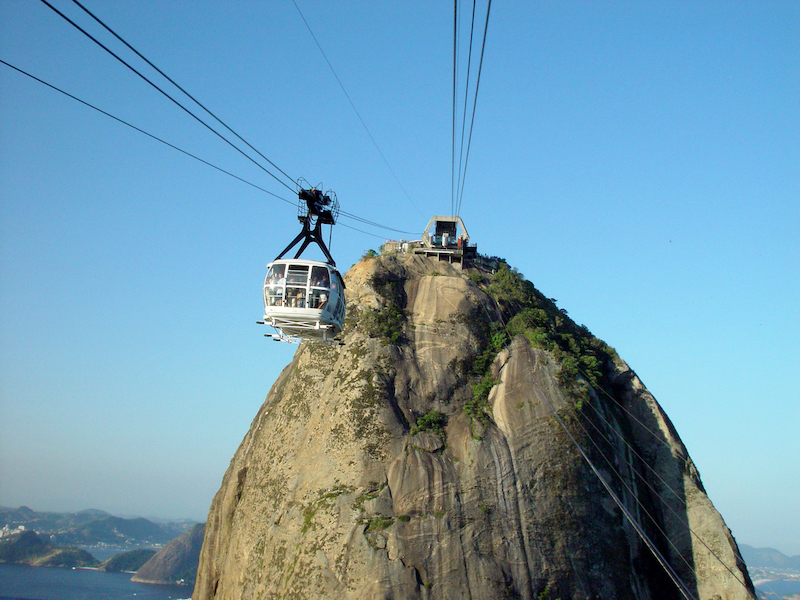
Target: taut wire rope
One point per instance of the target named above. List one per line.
(181, 106)
(458, 174)
(150, 135)
(168, 78)
(474, 107)
(352, 104)
(195, 157)
(684, 521)
(455, 81)
(466, 101)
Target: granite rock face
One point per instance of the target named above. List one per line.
(377, 470)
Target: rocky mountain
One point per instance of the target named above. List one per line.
(770, 558)
(92, 527)
(47, 522)
(28, 548)
(114, 531)
(129, 562)
(176, 561)
(468, 440)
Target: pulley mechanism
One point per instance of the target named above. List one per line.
(314, 209)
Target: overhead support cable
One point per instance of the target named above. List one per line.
(659, 440)
(613, 469)
(466, 102)
(458, 173)
(194, 116)
(670, 571)
(177, 103)
(150, 135)
(682, 518)
(374, 224)
(683, 588)
(362, 231)
(474, 107)
(455, 85)
(352, 104)
(172, 81)
(197, 158)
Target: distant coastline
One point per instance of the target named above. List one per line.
(90, 539)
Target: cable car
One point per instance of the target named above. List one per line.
(304, 299)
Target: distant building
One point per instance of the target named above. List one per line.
(446, 238)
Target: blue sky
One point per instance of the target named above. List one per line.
(636, 161)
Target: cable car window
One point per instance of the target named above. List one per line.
(298, 274)
(319, 299)
(295, 297)
(336, 282)
(274, 295)
(276, 273)
(319, 277)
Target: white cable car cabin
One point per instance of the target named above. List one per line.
(304, 299)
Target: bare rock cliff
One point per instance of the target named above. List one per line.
(437, 454)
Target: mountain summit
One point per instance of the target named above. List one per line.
(468, 440)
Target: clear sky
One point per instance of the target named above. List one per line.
(637, 161)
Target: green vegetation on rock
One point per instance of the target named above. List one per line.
(432, 421)
(387, 322)
(379, 522)
(583, 359)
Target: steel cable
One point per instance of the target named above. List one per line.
(352, 104)
(205, 162)
(194, 116)
(168, 78)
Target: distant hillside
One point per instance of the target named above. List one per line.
(92, 527)
(769, 558)
(114, 531)
(45, 522)
(176, 561)
(129, 562)
(22, 547)
(29, 549)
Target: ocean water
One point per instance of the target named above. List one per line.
(20, 582)
(102, 553)
(773, 590)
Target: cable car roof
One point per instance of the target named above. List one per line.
(303, 261)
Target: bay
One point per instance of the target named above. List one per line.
(778, 588)
(102, 553)
(21, 582)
